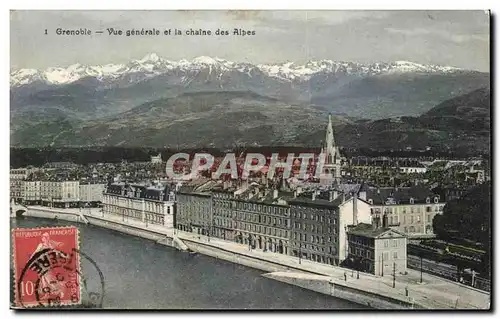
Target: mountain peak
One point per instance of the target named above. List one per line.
(206, 60)
(152, 65)
(151, 57)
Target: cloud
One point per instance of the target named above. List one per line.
(457, 38)
(299, 36)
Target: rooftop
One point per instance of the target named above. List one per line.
(367, 230)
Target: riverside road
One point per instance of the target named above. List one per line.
(140, 274)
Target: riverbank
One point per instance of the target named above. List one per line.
(370, 290)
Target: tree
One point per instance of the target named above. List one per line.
(467, 218)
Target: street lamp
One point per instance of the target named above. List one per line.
(394, 275)
(421, 280)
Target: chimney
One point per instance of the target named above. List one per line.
(343, 197)
(385, 221)
(275, 194)
(295, 194)
(299, 190)
(376, 222)
(331, 196)
(362, 195)
(314, 196)
(354, 209)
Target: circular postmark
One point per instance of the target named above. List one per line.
(54, 278)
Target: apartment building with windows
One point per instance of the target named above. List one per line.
(154, 204)
(410, 210)
(377, 248)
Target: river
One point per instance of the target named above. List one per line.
(140, 274)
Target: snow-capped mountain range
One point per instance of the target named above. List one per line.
(152, 65)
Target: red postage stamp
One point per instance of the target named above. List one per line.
(46, 267)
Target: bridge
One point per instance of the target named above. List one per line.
(17, 209)
(71, 214)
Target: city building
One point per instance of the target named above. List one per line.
(17, 177)
(156, 159)
(410, 210)
(376, 248)
(194, 207)
(253, 215)
(262, 219)
(31, 192)
(91, 193)
(412, 167)
(319, 221)
(149, 204)
(63, 194)
(224, 213)
(60, 165)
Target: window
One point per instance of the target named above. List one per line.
(385, 256)
(428, 218)
(386, 243)
(395, 255)
(418, 219)
(412, 201)
(395, 243)
(436, 200)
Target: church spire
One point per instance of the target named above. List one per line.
(329, 140)
(332, 156)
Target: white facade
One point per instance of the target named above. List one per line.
(390, 254)
(60, 191)
(412, 219)
(91, 192)
(412, 170)
(152, 211)
(156, 159)
(347, 217)
(17, 177)
(31, 191)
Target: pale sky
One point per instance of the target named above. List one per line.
(452, 38)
